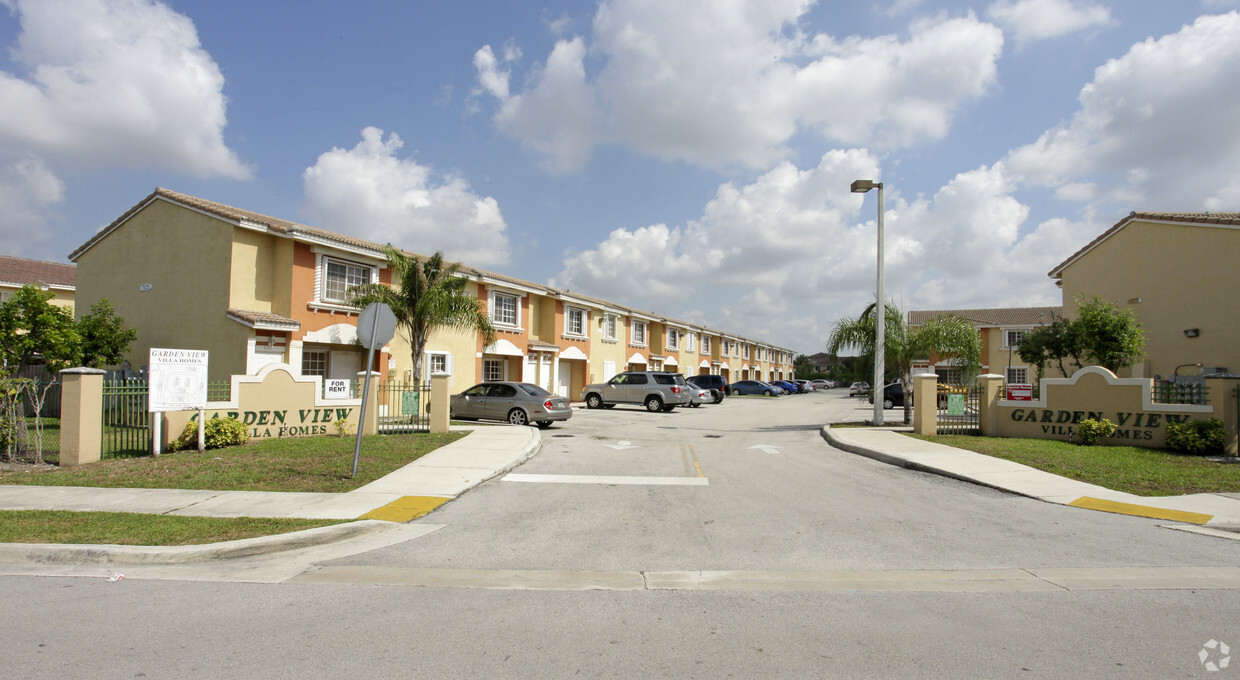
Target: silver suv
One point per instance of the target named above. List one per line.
(656, 390)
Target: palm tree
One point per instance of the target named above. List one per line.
(426, 293)
(946, 336)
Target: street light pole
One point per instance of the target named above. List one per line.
(862, 186)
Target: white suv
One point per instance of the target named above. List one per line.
(656, 390)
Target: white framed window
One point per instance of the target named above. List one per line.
(1017, 375)
(492, 369)
(575, 321)
(689, 341)
(673, 338)
(438, 363)
(339, 276)
(725, 348)
(705, 344)
(745, 350)
(1013, 338)
(504, 309)
(314, 362)
(611, 324)
(638, 333)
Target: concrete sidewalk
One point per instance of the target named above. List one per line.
(890, 446)
(431, 480)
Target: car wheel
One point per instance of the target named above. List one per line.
(544, 424)
(594, 401)
(769, 393)
(736, 392)
(888, 403)
(718, 397)
(654, 404)
(694, 405)
(518, 417)
(668, 409)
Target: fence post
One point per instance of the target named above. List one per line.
(925, 404)
(987, 414)
(1226, 402)
(81, 416)
(440, 398)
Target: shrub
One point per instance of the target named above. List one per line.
(217, 433)
(1093, 431)
(1197, 437)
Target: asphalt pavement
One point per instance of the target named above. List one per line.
(488, 452)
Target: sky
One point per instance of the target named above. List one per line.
(690, 158)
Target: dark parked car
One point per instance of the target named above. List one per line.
(717, 385)
(517, 403)
(893, 395)
(753, 387)
(788, 387)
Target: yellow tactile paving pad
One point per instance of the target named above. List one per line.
(1141, 510)
(406, 508)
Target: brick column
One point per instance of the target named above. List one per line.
(925, 404)
(81, 416)
(987, 414)
(1223, 396)
(440, 399)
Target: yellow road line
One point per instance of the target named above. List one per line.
(1140, 510)
(406, 508)
(690, 454)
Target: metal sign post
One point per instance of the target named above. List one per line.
(376, 325)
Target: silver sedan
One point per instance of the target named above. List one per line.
(514, 402)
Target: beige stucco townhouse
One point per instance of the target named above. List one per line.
(58, 278)
(1001, 329)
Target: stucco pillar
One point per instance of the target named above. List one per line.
(371, 426)
(925, 405)
(440, 399)
(1224, 391)
(81, 416)
(987, 414)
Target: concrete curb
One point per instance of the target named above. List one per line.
(64, 553)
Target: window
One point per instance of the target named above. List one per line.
(610, 322)
(1017, 375)
(724, 348)
(575, 321)
(689, 341)
(639, 333)
(1013, 338)
(746, 351)
(339, 277)
(705, 344)
(439, 363)
(492, 369)
(314, 362)
(673, 338)
(504, 309)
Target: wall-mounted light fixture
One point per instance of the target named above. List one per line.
(1192, 332)
(1134, 301)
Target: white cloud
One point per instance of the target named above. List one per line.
(120, 83)
(1030, 20)
(27, 192)
(369, 192)
(730, 83)
(1156, 127)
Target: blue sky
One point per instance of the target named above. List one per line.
(687, 158)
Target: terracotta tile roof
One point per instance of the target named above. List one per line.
(20, 271)
(1225, 218)
(1002, 316)
(263, 319)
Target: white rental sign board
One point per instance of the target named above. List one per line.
(337, 389)
(178, 379)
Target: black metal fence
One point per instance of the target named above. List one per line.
(958, 407)
(404, 408)
(126, 422)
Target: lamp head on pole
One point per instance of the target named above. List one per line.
(863, 185)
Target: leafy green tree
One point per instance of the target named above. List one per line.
(33, 329)
(803, 368)
(944, 336)
(426, 293)
(105, 339)
(1101, 335)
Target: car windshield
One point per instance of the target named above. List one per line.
(534, 390)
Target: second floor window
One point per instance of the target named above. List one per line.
(1013, 338)
(673, 338)
(504, 309)
(705, 345)
(575, 322)
(339, 277)
(609, 327)
(639, 332)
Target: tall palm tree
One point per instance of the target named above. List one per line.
(426, 293)
(945, 336)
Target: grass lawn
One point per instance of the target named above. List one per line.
(316, 464)
(1135, 470)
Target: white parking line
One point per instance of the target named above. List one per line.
(602, 479)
